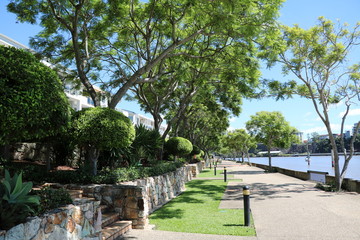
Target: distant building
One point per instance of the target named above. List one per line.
(354, 128)
(347, 134)
(326, 136)
(300, 136)
(138, 119)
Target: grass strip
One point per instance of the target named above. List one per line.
(197, 211)
(209, 173)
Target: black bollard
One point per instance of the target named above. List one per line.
(225, 177)
(215, 170)
(246, 194)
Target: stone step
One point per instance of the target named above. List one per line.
(104, 208)
(115, 230)
(109, 218)
(75, 193)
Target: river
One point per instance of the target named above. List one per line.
(317, 163)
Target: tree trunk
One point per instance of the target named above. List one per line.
(270, 166)
(93, 155)
(242, 157)
(5, 152)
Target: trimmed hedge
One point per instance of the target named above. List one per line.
(179, 146)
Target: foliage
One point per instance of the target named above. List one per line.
(103, 128)
(271, 129)
(105, 176)
(149, 141)
(16, 203)
(33, 105)
(196, 150)
(99, 129)
(127, 39)
(51, 199)
(178, 146)
(318, 58)
(239, 141)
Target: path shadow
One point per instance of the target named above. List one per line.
(245, 172)
(261, 191)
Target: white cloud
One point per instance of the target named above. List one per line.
(322, 129)
(352, 112)
(230, 129)
(232, 119)
(307, 114)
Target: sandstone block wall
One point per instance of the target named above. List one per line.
(73, 222)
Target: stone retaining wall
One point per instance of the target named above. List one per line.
(132, 200)
(73, 222)
(348, 184)
(136, 200)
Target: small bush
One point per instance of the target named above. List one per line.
(51, 199)
(196, 150)
(179, 146)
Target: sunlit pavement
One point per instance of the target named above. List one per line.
(282, 207)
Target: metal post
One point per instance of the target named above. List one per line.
(225, 177)
(215, 170)
(246, 194)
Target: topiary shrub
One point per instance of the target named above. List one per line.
(178, 146)
(33, 105)
(98, 129)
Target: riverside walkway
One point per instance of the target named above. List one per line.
(282, 207)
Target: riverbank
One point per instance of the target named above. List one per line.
(283, 207)
(348, 184)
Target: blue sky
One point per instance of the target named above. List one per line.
(299, 112)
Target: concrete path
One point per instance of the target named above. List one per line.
(283, 208)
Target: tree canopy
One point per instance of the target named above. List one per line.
(126, 39)
(271, 129)
(318, 58)
(99, 129)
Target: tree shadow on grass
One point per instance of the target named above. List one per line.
(166, 213)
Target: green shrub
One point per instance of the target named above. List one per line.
(146, 145)
(196, 150)
(16, 203)
(178, 146)
(99, 129)
(51, 199)
(33, 104)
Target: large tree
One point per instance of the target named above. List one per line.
(271, 129)
(127, 39)
(318, 58)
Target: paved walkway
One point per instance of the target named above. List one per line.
(283, 208)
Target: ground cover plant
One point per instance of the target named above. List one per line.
(197, 211)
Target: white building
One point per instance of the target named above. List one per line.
(138, 119)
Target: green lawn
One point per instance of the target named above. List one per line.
(209, 173)
(197, 211)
